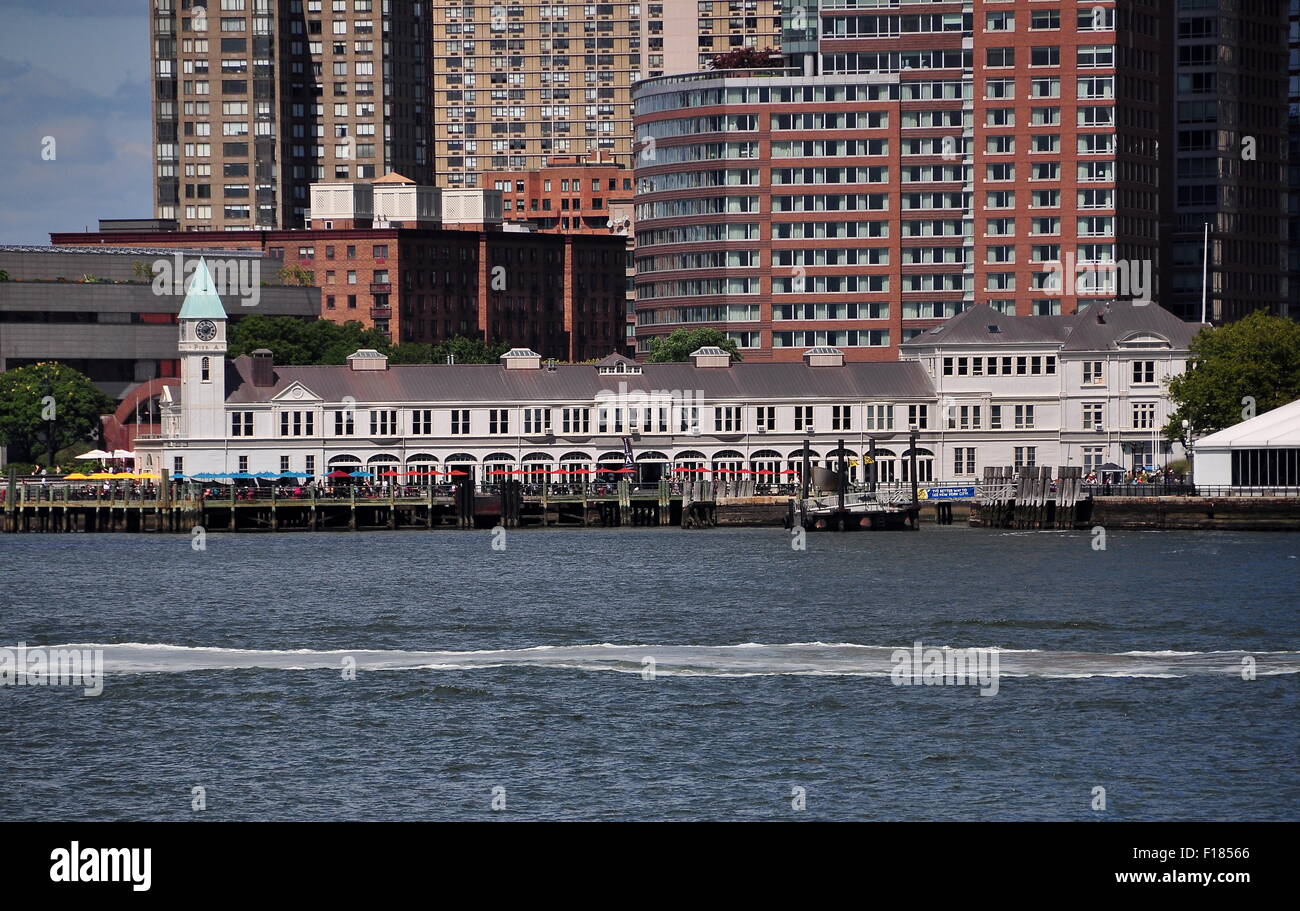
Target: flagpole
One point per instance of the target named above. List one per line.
(1205, 272)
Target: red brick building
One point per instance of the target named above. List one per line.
(910, 164)
(571, 194)
(562, 296)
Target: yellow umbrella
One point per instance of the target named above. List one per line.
(145, 476)
(102, 476)
(77, 476)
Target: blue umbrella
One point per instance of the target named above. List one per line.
(360, 474)
(292, 474)
(241, 475)
(267, 474)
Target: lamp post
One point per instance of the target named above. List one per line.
(1190, 447)
(911, 450)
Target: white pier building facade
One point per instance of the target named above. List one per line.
(982, 389)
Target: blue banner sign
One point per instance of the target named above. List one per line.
(948, 493)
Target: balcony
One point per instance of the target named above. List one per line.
(381, 312)
(381, 287)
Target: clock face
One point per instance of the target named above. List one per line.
(206, 330)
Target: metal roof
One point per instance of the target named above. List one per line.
(202, 301)
(471, 383)
(1099, 326)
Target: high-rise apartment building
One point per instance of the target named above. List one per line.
(1232, 151)
(254, 100)
(911, 161)
(518, 82)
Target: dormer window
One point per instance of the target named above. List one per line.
(618, 365)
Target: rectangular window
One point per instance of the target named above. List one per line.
(841, 417)
(460, 421)
(803, 417)
(1094, 415)
(879, 417)
(241, 423)
(383, 422)
(765, 418)
(498, 420)
(1093, 374)
(1144, 372)
(726, 419)
(963, 461)
(1024, 417)
(422, 422)
(1026, 457)
(918, 416)
(344, 423)
(1144, 415)
(575, 421)
(537, 421)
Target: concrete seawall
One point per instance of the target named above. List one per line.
(1197, 513)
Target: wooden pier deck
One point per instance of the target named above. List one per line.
(180, 508)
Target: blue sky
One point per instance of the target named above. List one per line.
(77, 71)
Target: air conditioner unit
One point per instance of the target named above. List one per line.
(1099, 428)
(761, 429)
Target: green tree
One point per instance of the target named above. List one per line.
(468, 350)
(1254, 358)
(47, 407)
(294, 341)
(465, 351)
(678, 344)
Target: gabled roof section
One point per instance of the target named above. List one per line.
(1100, 326)
(295, 391)
(393, 177)
(982, 325)
(1121, 324)
(201, 300)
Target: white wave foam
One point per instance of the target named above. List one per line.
(737, 660)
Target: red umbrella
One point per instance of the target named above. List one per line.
(625, 471)
(389, 474)
(789, 471)
(458, 473)
(582, 471)
(336, 473)
(764, 471)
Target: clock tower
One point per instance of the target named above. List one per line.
(203, 359)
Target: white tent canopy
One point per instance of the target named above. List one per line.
(1279, 428)
(1263, 451)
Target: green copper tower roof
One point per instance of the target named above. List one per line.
(201, 301)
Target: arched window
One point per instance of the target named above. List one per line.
(205, 370)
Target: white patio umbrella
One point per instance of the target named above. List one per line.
(123, 454)
(96, 454)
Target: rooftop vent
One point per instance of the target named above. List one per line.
(367, 359)
(823, 356)
(521, 359)
(710, 356)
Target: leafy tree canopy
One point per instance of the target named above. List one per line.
(678, 344)
(464, 350)
(47, 407)
(295, 342)
(1254, 358)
